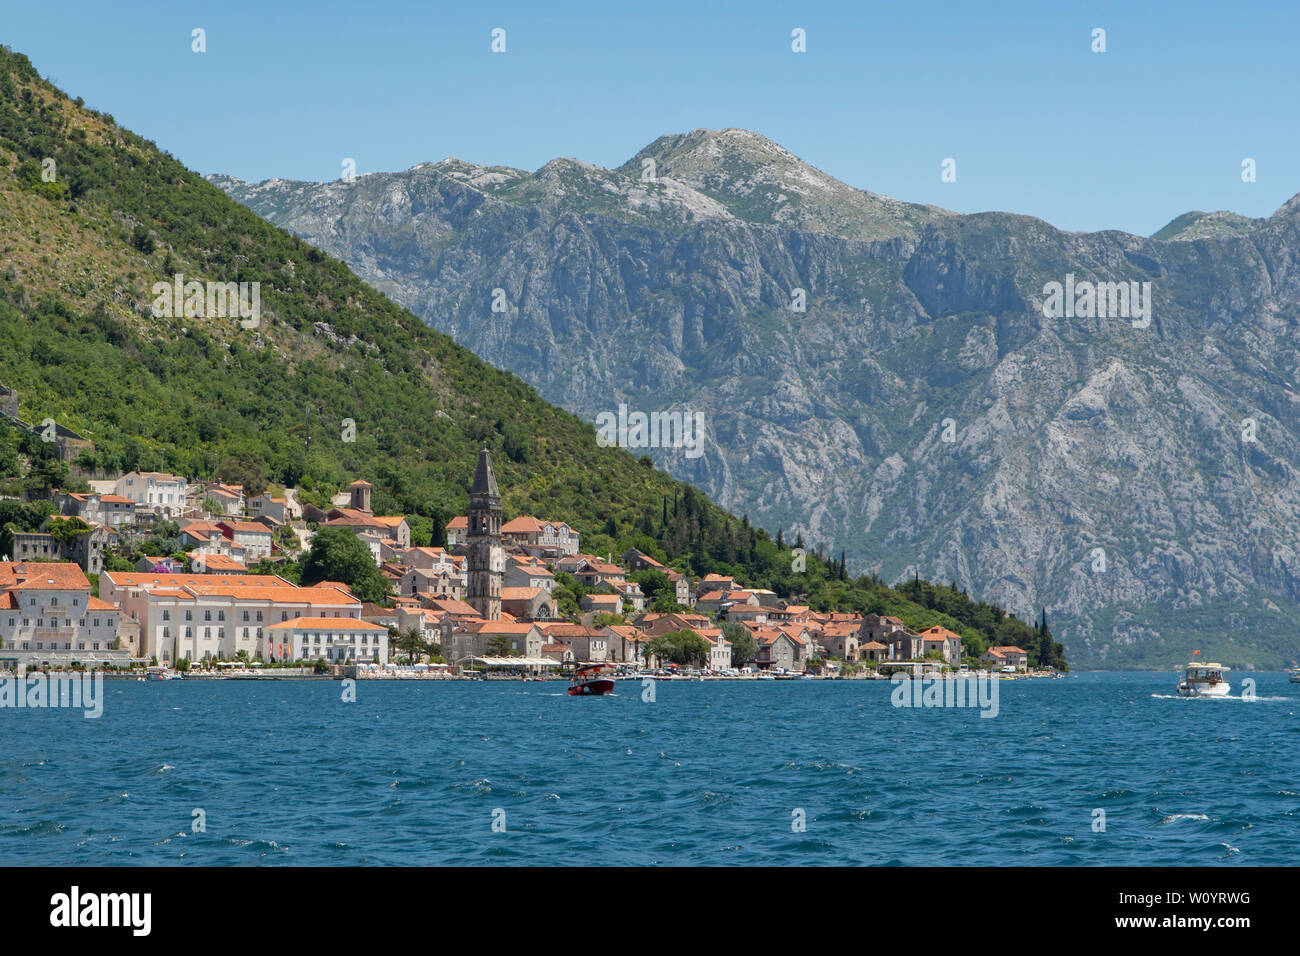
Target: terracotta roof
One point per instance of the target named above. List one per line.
(521, 594)
(246, 527)
(499, 627)
(524, 524)
(126, 579)
(938, 633)
(459, 608)
(221, 562)
(330, 597)
(330, 623)
(49, 576)
(568, 630)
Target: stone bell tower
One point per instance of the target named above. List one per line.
(486, 559)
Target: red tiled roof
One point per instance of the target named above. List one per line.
(49, 576)
(330, 623)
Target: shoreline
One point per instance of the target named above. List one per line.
(658, 678)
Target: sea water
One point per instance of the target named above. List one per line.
(1093, 769)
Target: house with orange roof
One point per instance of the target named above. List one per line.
(602, 603)
(438, 581)
(267, 505)
(374, 529)
(840, 640)
(593, 573)
(585, 643)
(548, 539)
(681, 587)
(719, 648)
(744, 610)
(49, 618)
(522, 639)
(218, 498)
(653, 625)
(711, 602)
(942, 641)
(873, 651)
(457, 531)
(111, 510)
(198, 616)
(162, 493)
(796, 613)
(528, 572)
(571, 563)
(252, 536)
(631, 596)
(717, 582)
(903, 643)
(624, 643)
(531, 604)
(340, 640)
(779, 648)
(635, 559)
(457, 610)
(1006, 656)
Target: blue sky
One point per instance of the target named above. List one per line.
(1038, 123)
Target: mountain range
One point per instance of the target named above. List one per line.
(891, 379)
(143, 310)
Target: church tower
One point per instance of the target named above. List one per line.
(486, 560)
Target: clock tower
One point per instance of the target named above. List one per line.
(486, 559)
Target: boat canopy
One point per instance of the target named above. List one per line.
(515, 661)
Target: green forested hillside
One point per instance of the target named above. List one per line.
(207, 397)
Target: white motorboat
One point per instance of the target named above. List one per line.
(1204, 680)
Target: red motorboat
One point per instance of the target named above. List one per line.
(586, 680)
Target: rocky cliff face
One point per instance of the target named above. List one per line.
(881, 376)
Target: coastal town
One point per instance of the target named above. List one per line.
(486, 604)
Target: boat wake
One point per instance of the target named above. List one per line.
(1248, 700)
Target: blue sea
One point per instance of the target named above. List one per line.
(724, 773)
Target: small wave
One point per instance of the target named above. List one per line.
(1173, 817)
(164, 768)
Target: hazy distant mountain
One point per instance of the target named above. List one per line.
(670, 281)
